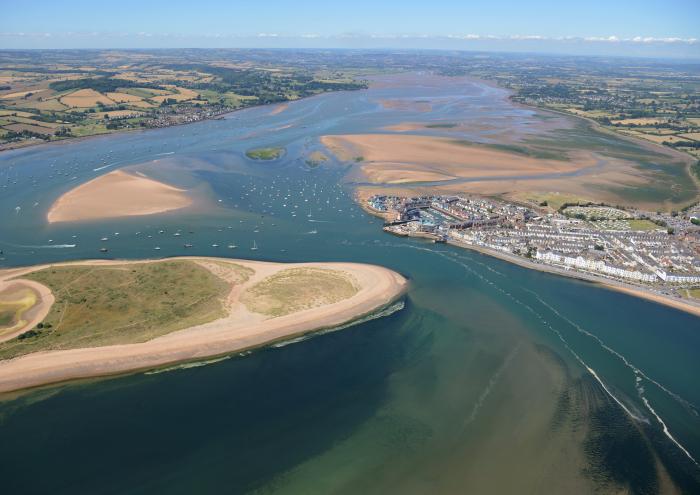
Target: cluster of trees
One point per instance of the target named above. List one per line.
(557, 90)
(18, 136)
(683, 144)
(265, 86)
(35, 332)
(101, 84)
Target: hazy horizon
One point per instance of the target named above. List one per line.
(626, 28)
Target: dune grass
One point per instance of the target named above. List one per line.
(120, 304)
(296, 289)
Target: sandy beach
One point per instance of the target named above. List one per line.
(117, 194)
(240, 329)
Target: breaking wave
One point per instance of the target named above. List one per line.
(187, 366)
(387, 311)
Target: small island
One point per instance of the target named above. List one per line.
(93, 318)
(265, 154)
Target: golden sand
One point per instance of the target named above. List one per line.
(117, 194)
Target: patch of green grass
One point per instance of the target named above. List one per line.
(642, 225)
(265, 153)
(693, 293)
(441, 126)
(106, 305)
(296, 289)
(7, 317)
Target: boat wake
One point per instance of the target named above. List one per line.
(489, 386)
(44, 246)
(629, 409)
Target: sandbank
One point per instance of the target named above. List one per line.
(117, 194)
(240, 329)
(395, 159)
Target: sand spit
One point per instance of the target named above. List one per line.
(239, 330)
(117, 194)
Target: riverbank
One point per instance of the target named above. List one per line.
(644, 293)
(239, 330)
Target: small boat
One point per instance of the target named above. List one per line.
(214, 245)
(188, 245)
(157, 248)
(104, 239)
(103, 250)
(232, 246)
(255, 247)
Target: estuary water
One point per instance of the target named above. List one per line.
(485, 378)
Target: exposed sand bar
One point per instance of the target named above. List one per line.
(239, 330)
(396, 159)
(117, 194)
(277, 109)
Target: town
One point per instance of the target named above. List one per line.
(642, 248)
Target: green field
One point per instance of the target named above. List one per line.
(642, 225)
(104, 305)
(296, 289)
(265, 153)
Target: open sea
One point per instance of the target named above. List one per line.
(485, 378)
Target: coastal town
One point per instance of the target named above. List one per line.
(656, 250)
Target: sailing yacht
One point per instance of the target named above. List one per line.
(255, 247)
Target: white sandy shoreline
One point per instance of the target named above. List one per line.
(378, 287)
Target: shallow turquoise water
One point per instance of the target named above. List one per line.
(479, 384)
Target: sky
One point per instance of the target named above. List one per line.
(669, 28)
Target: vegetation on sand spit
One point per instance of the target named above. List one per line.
(104, 305)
